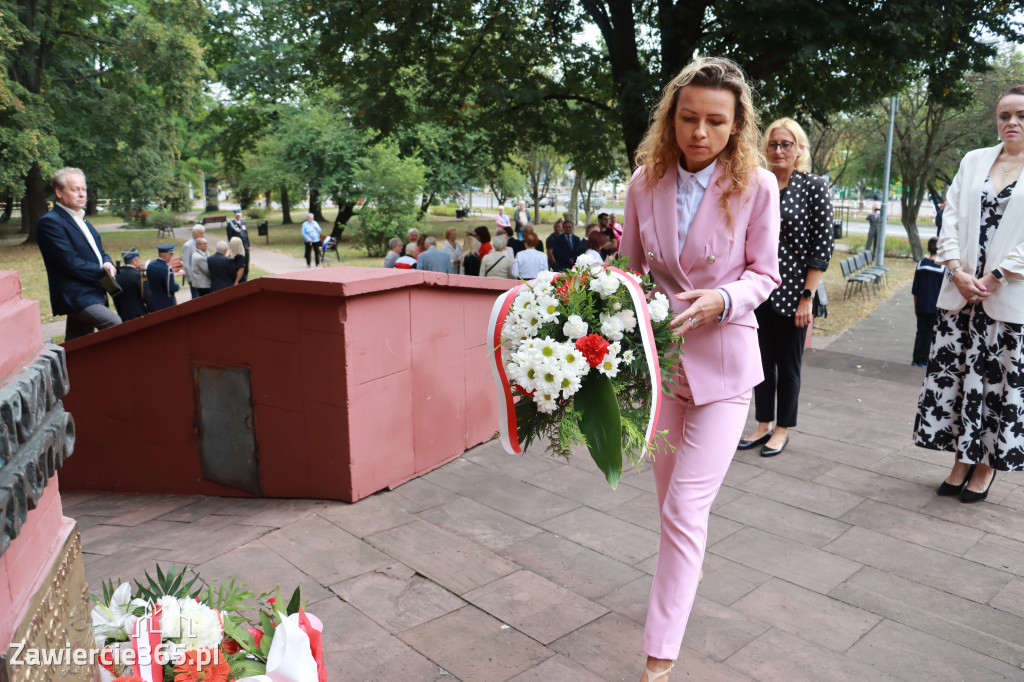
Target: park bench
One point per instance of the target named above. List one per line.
(214, 219)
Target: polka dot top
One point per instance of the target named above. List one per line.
(806, 237)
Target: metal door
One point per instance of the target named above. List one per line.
(227, 439)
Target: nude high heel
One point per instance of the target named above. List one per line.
(653, 676)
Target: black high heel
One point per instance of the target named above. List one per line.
(750, 444)
(971, 496)
(949, 490)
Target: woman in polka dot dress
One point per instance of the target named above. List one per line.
(805, 247)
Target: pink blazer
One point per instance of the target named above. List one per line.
(719, 360)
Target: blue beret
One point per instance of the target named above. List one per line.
(165, 248)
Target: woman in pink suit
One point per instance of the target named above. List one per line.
(703, 218)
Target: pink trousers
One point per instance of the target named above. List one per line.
(688, 480)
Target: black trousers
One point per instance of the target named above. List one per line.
(782, 350)
(316, 250)
(925, 334)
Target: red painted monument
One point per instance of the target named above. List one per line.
(331, 383)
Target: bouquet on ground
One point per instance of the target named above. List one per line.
(168, 629)
(579, 359)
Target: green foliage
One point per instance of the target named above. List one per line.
(390, 184)
(256, 213)
(161, 219)
(170, 583)
(601, 424)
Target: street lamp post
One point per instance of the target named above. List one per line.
(880, 245)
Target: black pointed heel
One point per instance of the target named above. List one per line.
(971, 496)
(950, 490)
(751, 444)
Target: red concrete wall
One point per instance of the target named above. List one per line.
(361, 378)
(28, 560)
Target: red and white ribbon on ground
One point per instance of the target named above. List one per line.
(146, 647)
(507, 424)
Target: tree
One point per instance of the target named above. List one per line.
(542, 166)
(811, 58)
(506, 180)
(390, 184)
(103, 86)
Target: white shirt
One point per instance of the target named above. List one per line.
(690, 188)
(529, 263)
(79, 217)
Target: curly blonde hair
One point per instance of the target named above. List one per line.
(803, 162)
(659, 152)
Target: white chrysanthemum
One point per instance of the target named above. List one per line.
(548, 308)
(524, 299)
(549, 378)
(200, 625)
(610, 364)
(628, 318)
(628, 356)
(573, 361)
(659, 307)
(589, 260)
(575, 327)
(635, 277)
(611, 327)
(546, 401)
(544, 279)
(616, 306)
(604, 285)
(170, 617)
(570, 385)
(548, 348)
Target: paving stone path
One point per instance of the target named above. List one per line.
(833, 561)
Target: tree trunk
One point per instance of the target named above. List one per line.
(33, 204)
(8, 205)
(270, 203)
(286, 207)
(424, 205)
(346, 209)
(574, 197)
(92, 197)
(314, 206)
(910, 203)
(212, 194)
(244, 198)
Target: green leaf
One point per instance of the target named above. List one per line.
(601, 425)
(246, 667)
(241, 636)
(293, 603)
(526, 413)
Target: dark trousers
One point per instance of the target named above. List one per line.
(925, 334)
(316, 250)
(88, 320)
(872, 238)
(245, 275)
(782, 350)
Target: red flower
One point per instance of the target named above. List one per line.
(272, 601)
(594, 347)
(257, 635)
(216, 670)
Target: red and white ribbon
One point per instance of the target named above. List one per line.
(507, 424)
(146, 640)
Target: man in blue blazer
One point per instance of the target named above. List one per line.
(160, 277)
(74, 258)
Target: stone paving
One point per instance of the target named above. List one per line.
(832, 561)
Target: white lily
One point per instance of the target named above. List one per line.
(110, 621)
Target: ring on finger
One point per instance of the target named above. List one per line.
(693, 321)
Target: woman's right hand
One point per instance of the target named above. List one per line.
(970, 287)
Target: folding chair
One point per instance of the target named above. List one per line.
(330, 244)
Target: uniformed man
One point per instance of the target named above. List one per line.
(236, 228)
(131, 302)
(160, 279)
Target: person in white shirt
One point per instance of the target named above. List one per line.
(74, 258)
(198, 232)
(452, 248)
(529, 262)
(200, 269)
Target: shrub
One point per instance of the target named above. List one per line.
(390, 183)
(256, 213)
(162, 218)
(895, 247)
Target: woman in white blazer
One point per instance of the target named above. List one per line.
(972, 401)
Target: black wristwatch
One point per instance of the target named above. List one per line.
(998, 274)
(807, 293)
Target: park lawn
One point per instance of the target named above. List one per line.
(28, 262)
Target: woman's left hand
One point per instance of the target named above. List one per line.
(708, 305)
(803, 315)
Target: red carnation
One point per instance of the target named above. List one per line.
(594, 347)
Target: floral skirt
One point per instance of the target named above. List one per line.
(972, 400)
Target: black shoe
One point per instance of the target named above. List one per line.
(768, 452)
(750, 444)
(971, 496)
(950, 490)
